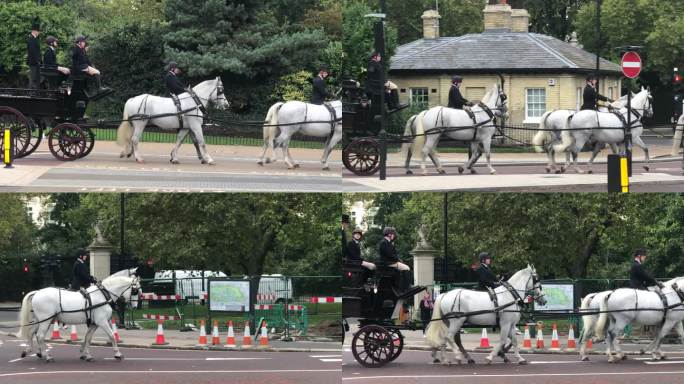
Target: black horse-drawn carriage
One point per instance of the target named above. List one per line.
(361, 124)
(28, 113)
(372, 298)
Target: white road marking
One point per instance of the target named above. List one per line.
(471, 376)
(192, 372)
(559, 362)
(191, 358)
(663, 362)
(331, 360)
(650, 358)
(319, 356)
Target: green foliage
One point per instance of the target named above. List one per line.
(17, 17)
(131, 58)
(564, 235)
(235, 38)
(17, 243)
(293, 87)
(357, 42)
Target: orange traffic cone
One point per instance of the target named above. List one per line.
(555, 343)
(527, 340)
(73, 337)
(55, 331)
(590, 344)
(202, 342)
(263, 340)
(572, 346)
(540, 338)
(247, 339)
(484, 340)
(160, 340)
(115, 331)
(215, 339)
(230, 340)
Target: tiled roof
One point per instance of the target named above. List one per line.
(496, 51)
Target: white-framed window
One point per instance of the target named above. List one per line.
(419, 97)
(535, 104)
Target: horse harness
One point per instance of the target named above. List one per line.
(471, 114)
(88, 309)
(517, 300)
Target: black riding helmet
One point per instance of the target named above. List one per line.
(592, 76)
(50, 40)
(357, 230)
(172, 65)
(323, 68)
(484, 256)
(456, 79)
(81, 38)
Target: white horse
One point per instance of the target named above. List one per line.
(40, 307)
(586, 126)
(446, 323)
(550, 127)
(406, 148)
(625, 306)
(306, 119)
(142, 110)
(458, 125)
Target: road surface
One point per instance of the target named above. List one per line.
(167, 366)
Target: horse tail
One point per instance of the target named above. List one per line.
(125, 131)
(408, 131)
(436, 330)
(543, 136)
(600, 328)
(566, 137)
(419, 140)
(271, 126)
(587, 320)
(25, 316)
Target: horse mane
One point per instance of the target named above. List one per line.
(490, 97)
(520, 272)
(117, 280)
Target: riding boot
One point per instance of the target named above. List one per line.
(100, 91)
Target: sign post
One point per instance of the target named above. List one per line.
(631, 68)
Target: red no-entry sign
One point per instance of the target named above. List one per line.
(631, 64)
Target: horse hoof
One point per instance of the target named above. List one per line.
(647, 168)
(623, 357)
(211, 163)
(522, 362)
(489, 362)
(89, 359)
(409, 172)
(175, 162)
(506, 360)
(23, 354)
(83, 357)
(492, 172)
(119, 357)
(435, 361)
(663, 357)
(585, 358)
(471, 361)
(548, 170)
(590, 172)
(49, 359)
(260, 163)
(296, 165)
(39, 355)
(642, 352)
(326, 169)
(460, 170)
(473, 172)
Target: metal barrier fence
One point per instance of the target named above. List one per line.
(302, 304)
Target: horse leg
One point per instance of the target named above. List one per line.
(487, 147)
(454, 329)
(174, 153)
(434, 156)
(424, 153)
(664, 330)
(139, 127)
(41, 334)
(516, 348)
(465, 353)
(199, 136)
(551, 156)
(594, 153)
(337, 136)
(107, 328)
(407, 163)
(584, 336)
(85, 348)
(640, 143)
(474, 149)
(503, 337)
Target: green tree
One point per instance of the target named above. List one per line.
(17, 242)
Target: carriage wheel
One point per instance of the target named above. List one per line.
(67, 142)
(21, 130)
(90, 137)
(372, 346)
(362, 157)
(37, 128)
(398, 341)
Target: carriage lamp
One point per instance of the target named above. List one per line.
(7, 146)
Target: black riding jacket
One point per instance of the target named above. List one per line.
(591, 98)
(456, 100)
(486, 277)
(320, 93)
(33, 48)
(82, 277)
(639, 278)
(173, 83)
(388, 253)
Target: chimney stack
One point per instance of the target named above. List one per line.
(431, 24)
(520, 20)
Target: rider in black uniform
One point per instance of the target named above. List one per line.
(639, 278)
(82, 278)
(456, 100)
(171, 80)
(591, 95)
(320, 93)
(486, 277)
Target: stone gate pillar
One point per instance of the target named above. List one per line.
(100, 255)
(423, 267)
